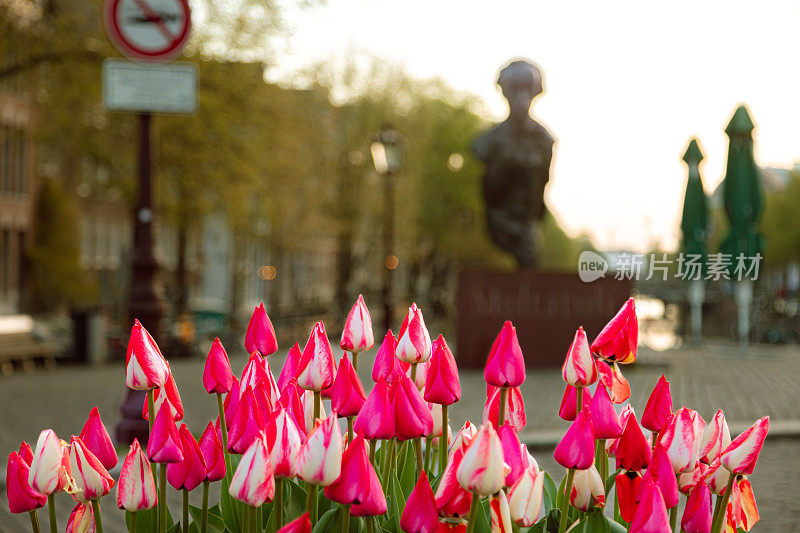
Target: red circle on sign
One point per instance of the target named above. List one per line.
(171, 42)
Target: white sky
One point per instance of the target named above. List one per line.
(626, 85)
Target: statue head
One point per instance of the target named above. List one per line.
(521, 82)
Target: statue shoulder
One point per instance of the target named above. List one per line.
(486, 143)
(541, 132)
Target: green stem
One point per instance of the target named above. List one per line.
(311, 503)
(151, 413)
(413, 371)
(204, 512)
(673, 518)
(428, 446)
(716, 511)
(246, 526)
(34, 521)
(617, 515)
(162, 498)
(132, 528)
(349, 430)
(317, 405)
(372, 444)
(224, 428)
(370, 525)
(564, 519)
(655, 439)
(259, 521)
(51, 508)
(578, 399)
(185, 511)
(277, 508)
(473, 512)
(346, 519)
(98, 519)
(388, 457)
(602, 460)
(718, 525)
(418, 451)
(443, 442)
(355, 361)
(501, 417)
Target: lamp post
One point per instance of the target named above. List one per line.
(386, 157)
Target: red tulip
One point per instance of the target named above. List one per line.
(232, 402)
(515, 408)
(96, 438)
(659, 406)
(612, 379)
(446, 526)
(576, 449)
(588, 490)
(217, 375)
(660, 472)
(419, 514)
(81, 519)
(348, 394)
(716, 437)
(316, 369)
(451, 498)
(254, 373)
(26, 453)
(375, 504)
(136, 490)
(357, 333)
(682, 438)
(613, 444)
(627, 485)
(289, 370)
(569, 402)
(386, 362)
(260, 336)
(189, 473)
(505, 366)
(742, 453)
(441, 384)
(299, 525)
(213, 457)
(413, 341)
(464, 436)
(270, 384)
(500, 514)
(50, 469)
(247, 423)
(145, 367)
(411, 414)
(376, 419)
(352, 485)
(89, 474)
(697, 514)
(514, 453)
(284, 440)
(164, 444)
(167, 394)
(633, 451)
(21, 496)
(292, 400)
(253, 483)
(578, 368)
(651, 515)
(619, 339)
(605, 422)
(482, 470)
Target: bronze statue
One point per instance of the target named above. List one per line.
(517, 155)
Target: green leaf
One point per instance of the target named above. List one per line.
(326, 522)
(610, 480)
(295, 502)
(560, 493)
(214, 520)
(408, 474)
(231, 509)
(175, 528)
(550, 492)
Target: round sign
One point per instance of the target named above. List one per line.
(149, 30)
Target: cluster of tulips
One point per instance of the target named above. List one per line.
(396, 466)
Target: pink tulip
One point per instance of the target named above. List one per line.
(246, 424)
(320, 458)
(189, 473)
(612, 444)
(697, 514)
(588, 490)
(50, 469)
(145, 367)
(81, 519)
(482, 470)
(515, 408)
(605, 422)
(289, 370)
(627, 485)
(96, 438)
(569, 402)
(217, 375)
(659, 406)
(26, 452)
(375, 504)
(169, 395)
(298, 525)
(576, 449)
(717, 477)
(352, 485)
(526, 496)
(232, 402)
(578, 369)
(505, 366)
(633, 451)
(464, 436)
(284, 440)
(260, 336)
(164, 444)
(386, 362)
(316, 369)
(451, 498)
(348, 394)
(742, 453)
(651, 515)
(89, 474)
(357, 334)
(414, 341)
(514, 453)
(716, 437)
(253, 483)
(291, 399)
(660, 472)
(263, 399)
(270, 384)
(612, 379)
(419, 514)
(136, 490)
(500, 514)
(619, 339)
(441, 384)
(682, 438)
(21, 496)
(687, 480)
(411, 414)
(213, 457)
(254, 373)
(376, 420)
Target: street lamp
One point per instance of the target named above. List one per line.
(387, 158)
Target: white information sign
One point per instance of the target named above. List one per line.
(149, 88)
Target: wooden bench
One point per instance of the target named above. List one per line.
(18, 345)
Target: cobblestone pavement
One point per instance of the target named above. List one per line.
(705, 378)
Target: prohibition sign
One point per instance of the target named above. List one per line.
(149, 30)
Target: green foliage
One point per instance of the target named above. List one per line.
(781, 224)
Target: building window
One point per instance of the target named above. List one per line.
(6, 159)
(13, 161)
(22, 160)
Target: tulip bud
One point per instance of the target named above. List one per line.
(357, 334)
(659, 406)
(605, 422)
(651, 515)
(217, 375)
(320, 458)
(164, 444)
(232, 402)
(289, 370)
(247, 423)
(716, 437)
(514, 453)
(375, 420)
(348, 394)
(411, 414)
(464, 436)
(627, 485)
(740, 456)
(284, 440)
(587, 490)
(526, 496)
(352, 486)
(213, 456)
(375, 504)
(612, 379)
(145, 367)
(299, 525)
(500, 514)
(441, 384)
(697, 513)
(687, 480)
(482, 470)
(89, 474)
(419, 514)
(619, 339)
(578, 369)
(136, 490)
(569, 402)
(253, 483)
(660, 472)
(633, 451)
(505, 366)
(168, 394)
(316, 369)
(682, 437)
(515, 408)
(260, 336)
(26, 453)
(386, 362)
(414, 341)
(451, 498)
(96, 438)
(576, 449)
(270, 384)
(50, 469)
(81, 520)
(189, 473)
(22, 498)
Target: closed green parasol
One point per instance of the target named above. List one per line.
(694, 222)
